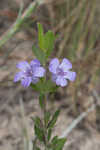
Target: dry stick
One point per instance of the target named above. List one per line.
(77, 121)
(16, 26)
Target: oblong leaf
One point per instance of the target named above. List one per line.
(40, 55)
(54, 119)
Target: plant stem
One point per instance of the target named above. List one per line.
(45, 127)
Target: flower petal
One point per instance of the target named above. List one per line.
(65, 65)
(35, 62)
(70, 75)
(61, 81)
(26, 81)
(54, 77)
(39, 72)
(35, 80)
(53, 65)
(18, 76)
(23, 65)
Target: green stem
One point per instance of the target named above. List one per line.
(45, 110)
(45, 127)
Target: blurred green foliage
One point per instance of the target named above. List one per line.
(76, 21)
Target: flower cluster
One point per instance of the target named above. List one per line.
(30, 73)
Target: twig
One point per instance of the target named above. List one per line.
(16, 26)
(77, 121)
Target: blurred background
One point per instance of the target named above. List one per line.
(76, 24)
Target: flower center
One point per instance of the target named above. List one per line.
(29, 73)
(60, 72)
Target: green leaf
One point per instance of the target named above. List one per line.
(49, 39)
(49, 86)
(49, 134)
(40, 36)
(46, 41)
(41, 99)
(40, 55)
(37, 122)
(54, 119)
(38, 127)
(54, 140)
(38, 86)
(39, 133)
(44, 86)
(58, 143)
(47, 118)
(34, 86)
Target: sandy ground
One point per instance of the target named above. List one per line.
(84, 137)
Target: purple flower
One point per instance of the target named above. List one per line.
(60, 71)
(30, 73)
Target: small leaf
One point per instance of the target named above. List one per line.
(49, 134)
(40, 55)
(34, 86)
(39, 86)
(39, 133)
(54, 119)
(38, 127)
(50, 86)
(49, 42)
(54, 140)
(40, 36)
(47, 118)
(41, 100)
(44, 86)
(58, 143)
(46, 41)
(37, 122)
